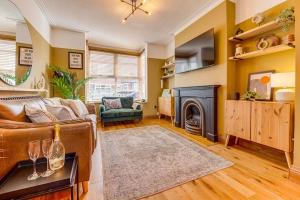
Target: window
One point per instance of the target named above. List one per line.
(116, 75)
(7, 57)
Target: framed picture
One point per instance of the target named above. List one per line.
(75, 60)
(260, 82)
(25, 56)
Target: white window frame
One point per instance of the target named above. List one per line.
(115, 75)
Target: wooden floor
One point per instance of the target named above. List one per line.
(254, 175)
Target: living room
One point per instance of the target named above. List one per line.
(147, 99)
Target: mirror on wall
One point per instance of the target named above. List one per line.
(16, 51)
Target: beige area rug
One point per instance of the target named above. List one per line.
(143, 161)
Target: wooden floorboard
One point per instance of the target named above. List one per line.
(255, 175)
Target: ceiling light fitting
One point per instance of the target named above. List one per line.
(134, 7)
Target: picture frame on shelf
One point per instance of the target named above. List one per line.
(260, 82)
(25, 56)
(75, 60)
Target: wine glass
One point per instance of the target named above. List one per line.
(46, 145)
(34, 152)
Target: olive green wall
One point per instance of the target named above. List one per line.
(221, 19)
(59, 57)
(154, 74)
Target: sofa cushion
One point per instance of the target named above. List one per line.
(61, 112)
(123, 112)
(13, 108)
(112, 103)
(54, 101)
(38, 115)
(77, 106)
(125, 101)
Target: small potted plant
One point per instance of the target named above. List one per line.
(286, 18)
(249, 96)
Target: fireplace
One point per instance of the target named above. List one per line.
(196, 110)
(192, 117)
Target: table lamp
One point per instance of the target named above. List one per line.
(286, 83)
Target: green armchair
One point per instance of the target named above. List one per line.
(126, 113)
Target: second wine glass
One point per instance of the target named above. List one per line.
(46, 145)
(34, 152)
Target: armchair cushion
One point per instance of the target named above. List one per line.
(112, 103)
(123, 112)
(126, 102)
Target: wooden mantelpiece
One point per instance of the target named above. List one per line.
(17, 91)
(267, 123)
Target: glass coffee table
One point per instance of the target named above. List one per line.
(16, 186)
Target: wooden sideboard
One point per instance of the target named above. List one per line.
(267, 123)
(166, 107)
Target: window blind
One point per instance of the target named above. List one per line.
(7, 57)
(115, 75)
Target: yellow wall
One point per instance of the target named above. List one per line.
(59, 57)
(154, 74)
(216, 75)
(280, 62)
(297, 107)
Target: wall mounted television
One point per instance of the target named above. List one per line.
(197, 53)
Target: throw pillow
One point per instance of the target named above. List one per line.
(61, 112)
(135, 106)
(112, 103)
(37, 115)
(52, 101)
(77, 106)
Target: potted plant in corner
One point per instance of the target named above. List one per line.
(66, 82)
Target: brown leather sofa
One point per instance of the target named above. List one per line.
(16, 131)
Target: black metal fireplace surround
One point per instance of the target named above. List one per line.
(196, 110)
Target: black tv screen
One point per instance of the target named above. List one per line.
(196, 54)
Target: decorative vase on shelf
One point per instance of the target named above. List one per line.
(57, 151)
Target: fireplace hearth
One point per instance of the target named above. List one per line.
(196, 110)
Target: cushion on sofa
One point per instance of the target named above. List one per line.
(61, 112)
(125, 101)
(77, 106)
(38, 115)
(13, 108)
(123, 112)
(112, 103)
(54, 101)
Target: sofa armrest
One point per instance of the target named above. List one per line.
(76, 137)
(139, 107)
(101, 108)
(91, 108)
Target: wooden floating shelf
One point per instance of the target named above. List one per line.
(168, 66)
(256, 31)
(270, 50)
(168, 76)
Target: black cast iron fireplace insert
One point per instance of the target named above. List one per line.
(196, 110)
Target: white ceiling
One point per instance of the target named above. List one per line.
(101, 19)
